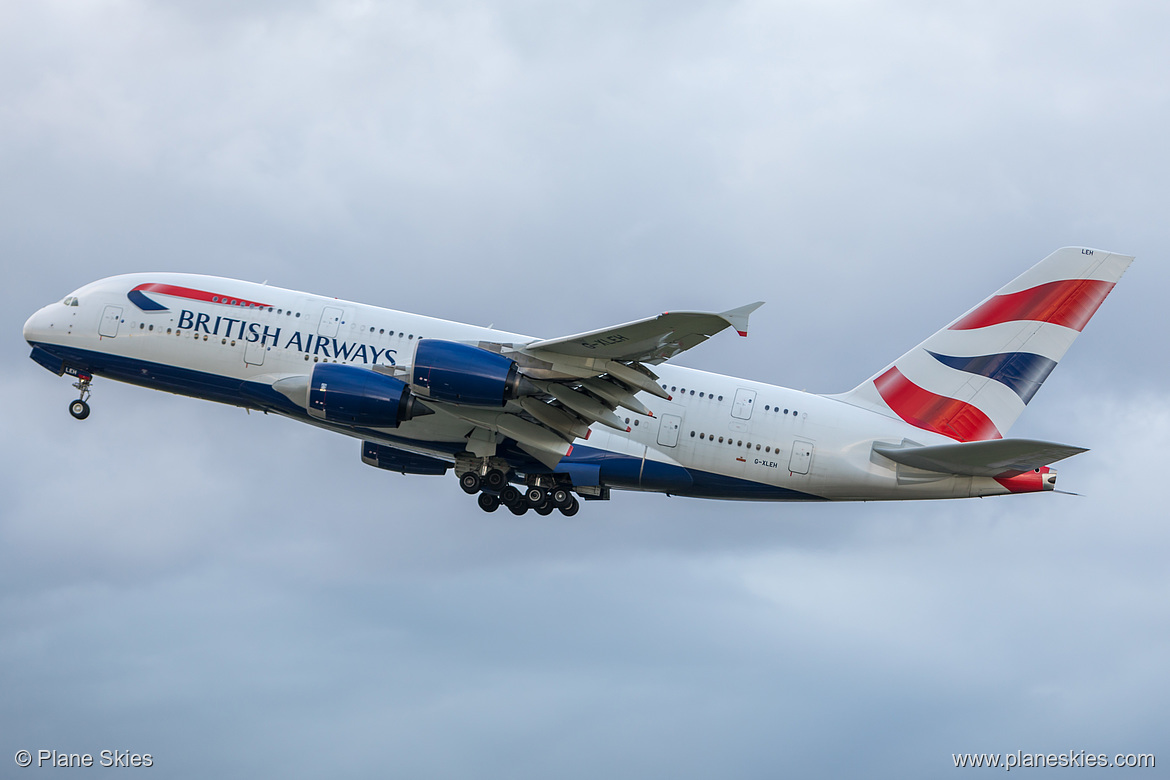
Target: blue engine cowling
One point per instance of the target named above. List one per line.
(462, 374)
(391, 459)
(359, 396)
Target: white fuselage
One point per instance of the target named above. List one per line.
(747, 440)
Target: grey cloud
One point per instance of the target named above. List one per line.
(239, 594)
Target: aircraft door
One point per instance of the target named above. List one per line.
(254, 353)
(741, 407)
(110, 319)
(668, 426)
(802, 452)
(330, 321)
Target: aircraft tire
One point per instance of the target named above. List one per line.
(469, 482)
(518, 509)
(510, 495)
(495, 480)
(488, 502)
(79, 409)
(535, 496)
(560, 497)
(571, 509)
(545, 509)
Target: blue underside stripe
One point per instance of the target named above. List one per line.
(615, 470)
(1023, 372)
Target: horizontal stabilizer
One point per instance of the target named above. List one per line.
(996, 458)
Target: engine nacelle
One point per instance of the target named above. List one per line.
(462, 374)
(358, 396)
(388, 458)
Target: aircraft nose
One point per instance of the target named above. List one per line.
(36, 326)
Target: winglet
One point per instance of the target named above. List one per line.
(739, 317)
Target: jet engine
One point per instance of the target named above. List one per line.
(463, 374)
(353, 396)
(392, 459)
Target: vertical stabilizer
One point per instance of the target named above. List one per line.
(972, 379)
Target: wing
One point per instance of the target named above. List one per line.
(573, 382)
(995, 458)
(651, 340)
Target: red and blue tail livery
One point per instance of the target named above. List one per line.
(971, 380)
(542, 424)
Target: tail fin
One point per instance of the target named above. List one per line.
(972, 379)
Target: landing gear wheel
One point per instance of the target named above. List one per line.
(79, 409)
(545, 509)
(469, 482)
(488, 502)
(510, 496)
(518, 509)
(571, 509)
(560, 497)
(535, 496)
(495, 480)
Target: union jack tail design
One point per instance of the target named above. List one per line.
(972, 379)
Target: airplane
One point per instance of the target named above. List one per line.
(542, 424)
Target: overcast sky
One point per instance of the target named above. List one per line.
(240, 596)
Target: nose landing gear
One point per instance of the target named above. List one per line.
(79, 408)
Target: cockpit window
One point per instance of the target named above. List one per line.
(70, 301)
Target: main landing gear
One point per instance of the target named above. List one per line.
(495, 491)
(79, 408)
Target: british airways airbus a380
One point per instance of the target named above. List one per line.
(528, 422)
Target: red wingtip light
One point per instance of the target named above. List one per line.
(742, 332)
(628, 429)
(588, 433)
